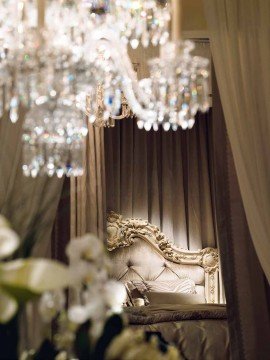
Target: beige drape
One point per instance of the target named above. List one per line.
(244, 281)
(88, 193)
(29, 204)
(239, 33)
(163, 177)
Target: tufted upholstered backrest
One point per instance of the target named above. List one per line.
(141, 262)
(139, 251)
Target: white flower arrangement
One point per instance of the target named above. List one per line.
(85, 248)
(23, 279)
(95, 301)
(93, 296)
(89, 264)
(9, 240)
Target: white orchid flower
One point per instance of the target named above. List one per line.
(50, 304)
(78, 314)
(115, 295)
(87, 247)
(9, 242)
(24, 279)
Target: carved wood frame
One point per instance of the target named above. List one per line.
(121, 233)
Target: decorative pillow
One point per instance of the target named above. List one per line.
(184, 286)
(138, 291)
(156, 298)
(136, 294)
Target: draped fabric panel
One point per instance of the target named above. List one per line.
(244, 280)
(247, 291)
(88, 192)
(239, 33)
(163, 177)
(29, 204)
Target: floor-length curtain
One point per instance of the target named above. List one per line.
(88, 192)
(163, 177)
(239, 33)
(29, 204)
(244, 281)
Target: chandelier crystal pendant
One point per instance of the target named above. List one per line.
(178, 87)
(99, 119)
(71, 62)
(41, 67)
(113, 72)
(143, 21)
(53, 139)
(178, 84)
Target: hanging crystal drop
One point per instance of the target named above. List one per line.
(1, 100)
(178, 86)
(14, 109)
(51, 131)
(145, 39)
(134, 43)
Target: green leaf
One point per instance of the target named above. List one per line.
(8, 307)
(46, 351)
(113, 327)
(82, 345)
(25, 279)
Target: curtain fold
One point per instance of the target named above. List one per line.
(88, 192)
(164, 177)
(239, 33)
(244, 280)
(29, 204)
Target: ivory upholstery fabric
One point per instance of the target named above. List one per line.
(152, 291)
(184, 286)
(155, 298)
(139, 262)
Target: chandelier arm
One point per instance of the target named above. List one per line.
(41, 13)
(135, 95)
(176, 20)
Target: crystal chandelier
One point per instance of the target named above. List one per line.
(41, 67)
(178, 84)
(69, 59)
(53, 139)
(98, 117)
(143, 21)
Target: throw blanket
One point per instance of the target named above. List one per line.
(153, 314)
(200, 332)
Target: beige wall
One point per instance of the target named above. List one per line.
(193, 15)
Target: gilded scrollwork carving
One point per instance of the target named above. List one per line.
(122, 232)
(210, 260)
